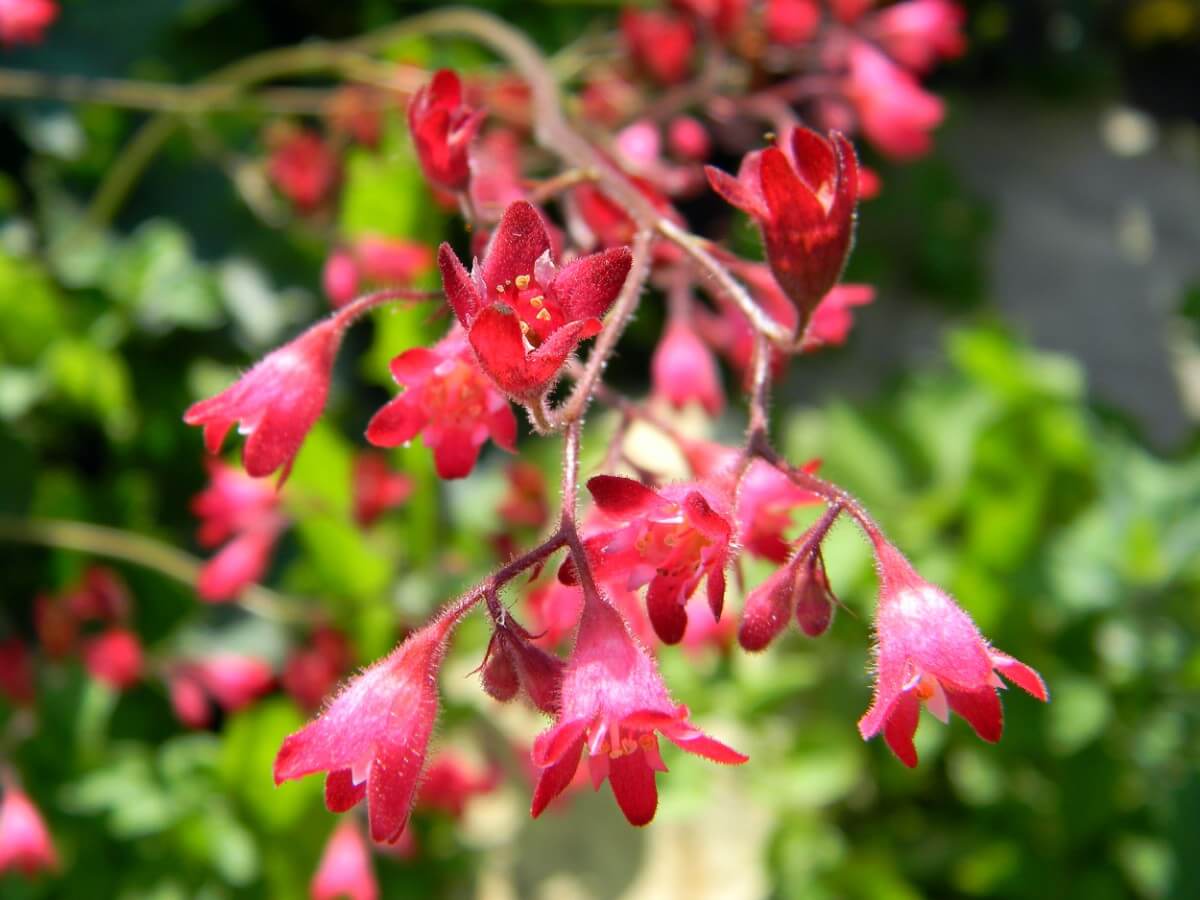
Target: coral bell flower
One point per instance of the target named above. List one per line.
(25, 21)
(513, 664)
(929, 651)
(276, 402)
(303, 167)
(801, 587)
(661, 43)
(242, 511)
(373, 737)
(917, 33)
(450, 401)
(791, 22)
(450, 783)
(345, 867)
(671, 540)
(377, 488)
(766, 501)
(894, 112)
(683, 370)
(613, 703)
(25, 843)
(523, 314)
(17, 681)
(802, 194)
(442, 129)
(115, 658)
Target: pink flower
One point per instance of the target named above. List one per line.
(671, 540)
(683, 371)
(792, 22)
(660, 42)
(303, 167)
(244, 512)
(496, 178)
(613, 703)
(345, 867)
(340, 278)
(767, 499)
(555, 609)
(25, 21)
(929, 651)
(833, 318)
(894, 112)
(448, 400)
(102, 596)
(276, 402)
(373, 737)
(356, 113)
(802, 194)
(377, 488)
(919, 32)
(688, 139)
(523, 315)
(388, 260)
(442, 129)
(114, 657)
(25, 843)
(232, 680)
(450, 784)
(16, 672)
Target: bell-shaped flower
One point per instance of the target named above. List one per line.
(373, 737)
(894, 112)
(800, 587)
(314, 669)
(917, 33)
(276, 402)
(802, 194)
(114, 657)
(523, 314)
(670, 540)
(449, 401)
(451, 783)
(303, 167)
(683, 370)
(929, 651)
(442, 127)
(345, 867)
(614, 706)
(25, 843)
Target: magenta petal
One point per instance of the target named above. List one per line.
(502, 426)
(665, 605)
(1020, 674)
(716, 591)
(552, 745)
(733, 192)
(518, 241)
(588, 286)
(900, 727)
(392, 782)
(693, 740)
(413, 366)
(814, 158)
(341, 793)
(633, 785)
(623, 498)
(455, 451)
(554, 779)
(981, 709)
(397, 422)
(456, 282)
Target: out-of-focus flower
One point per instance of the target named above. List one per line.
(313, 670)
(791, 22)
(442, 128)
(894, 112)
(25, 843)
(114, 657)
(16, 672)
(345, 867)
(25, 21)
(917, 33)
(377, 487)
(683, 371)
(660, 42)
(303, 167)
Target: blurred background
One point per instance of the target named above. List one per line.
(1019, 407)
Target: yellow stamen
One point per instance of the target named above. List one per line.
(536, 302)
(522, 282)
(543, 315)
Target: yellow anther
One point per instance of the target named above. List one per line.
(543, 315)
(499, 289)
(524, 328)
(536, 302)
(522, 282)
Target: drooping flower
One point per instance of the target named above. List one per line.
(929, 651)
(449, 401)
(450, 784)
(303, 167)
(16, 672)
(917, 33)
(894, 112)
(340, 277)
(683, 371)
(660, 42)
(688, 139)
(275, 403)
(232, 680)
(373, 737)
(313, 670)
(523, 314)
(767, 500)
(802, 194)
(496, 173)
(670, 539)
(114, 657)
(377, 487)
(25, 21)
(514, 664)
(614, 705)
(25, 843)
(345, 867)
(442, 127)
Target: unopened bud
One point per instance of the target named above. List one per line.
(814, 598)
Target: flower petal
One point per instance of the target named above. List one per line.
(633, 785)
(392, 781)
(397, 422)
(981, 709)
(518, 241)
(456, 282)
(588, 286)
(664, 603)
(554, 779)
(900, 727)
(341, 793)
(623, 498)
(1020, 674)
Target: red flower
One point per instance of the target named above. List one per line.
(929, 651)
(312, 671)
(377, 487)
(340, 277)
(25, 843)
(388, 260)
(683, 370)
(524, 316)
(356, 112)
(919, 32)
(276, 402)
(345, 867)
(449, 784)
(802, 194)
(102, 596)
(791, 22)
(894, 112)
(613, 702)
(448, 400)
(244, 512)
(688, 139)
(372, 739)
(232, 680)
(442, 129)
(25, 21)
(766, 501)
(660, 42)
(672, 540)
(303, 167)
(16, 672)
(114, 657)
(496, 173)
(832, 319)
(525, 502)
